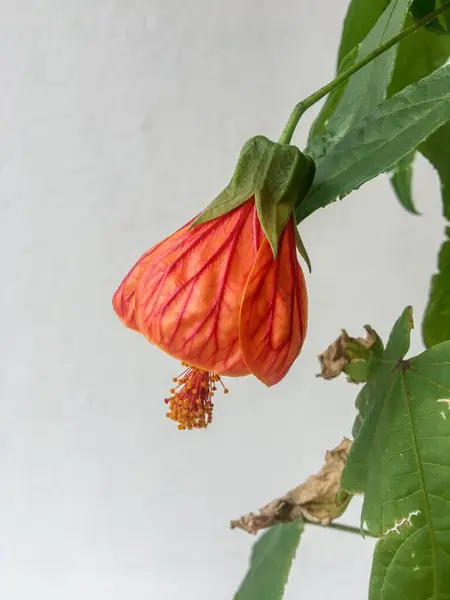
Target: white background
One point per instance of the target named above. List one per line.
(120, 119)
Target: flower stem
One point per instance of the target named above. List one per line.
(302, 106)
(346, 528)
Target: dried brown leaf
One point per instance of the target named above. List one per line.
(337, 356)
(318, 499)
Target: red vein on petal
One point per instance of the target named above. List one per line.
(275, 356)
(165, 273)
(198, 240)
(177, 324)
(293, 263)
(125, 295)
(233, 235)
(296, 304)
(223, 279)
(152, 305)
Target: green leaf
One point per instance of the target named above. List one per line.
(365, 89)
(368, 87)
(301, 246)
(436, 149)
(418, 56)
(361, 17)
(271, 562)
(357, 371)
(392, 130)
(401, 180)
(421, 8)
(436, 322)
(319, 140)
(361, 359)
(400, 460)
(383, 360)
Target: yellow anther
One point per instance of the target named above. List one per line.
(191, 402)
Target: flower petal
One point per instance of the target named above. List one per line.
(124, 300)
(189, 297)
(274, 311)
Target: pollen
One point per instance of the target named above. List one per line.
(190, 403)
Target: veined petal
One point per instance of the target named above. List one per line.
(188, 298)
(124, 300)
(274, 311)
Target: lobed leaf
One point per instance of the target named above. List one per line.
(418, 56)
(349, 103)
(400, 460)
(368, 87)
(392, 130)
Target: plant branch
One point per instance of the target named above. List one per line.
(346, 528)
(303, 106)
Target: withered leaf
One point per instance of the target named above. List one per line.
(349, 355)
(319, 498)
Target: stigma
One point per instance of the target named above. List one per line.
(191, 400)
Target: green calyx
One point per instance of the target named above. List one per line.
(278, 176)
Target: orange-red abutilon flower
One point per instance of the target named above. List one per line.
(214, 296)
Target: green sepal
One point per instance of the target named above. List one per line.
(278, 176)
(301, 246)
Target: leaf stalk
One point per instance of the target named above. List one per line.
(346, 528)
